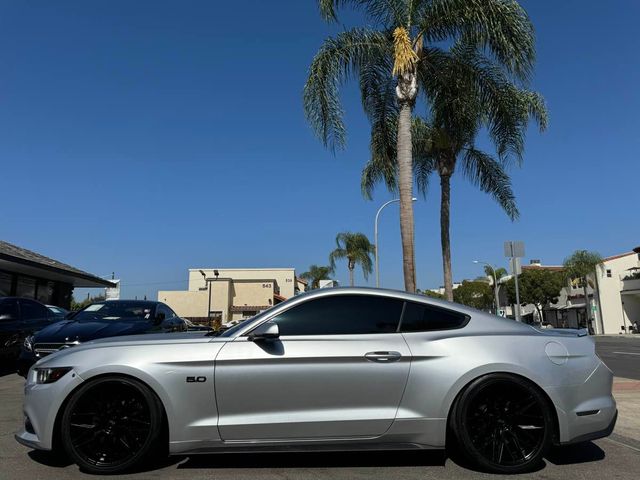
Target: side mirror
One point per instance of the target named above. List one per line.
(266, 331)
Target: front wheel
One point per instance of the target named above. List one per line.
(503, 424)
(111, 424)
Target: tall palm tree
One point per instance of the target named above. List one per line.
(578, 266)
(400, 52)
(357, 249)
(470, 93)
(315, 274)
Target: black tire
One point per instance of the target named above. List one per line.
(111, 424)
(503, 424)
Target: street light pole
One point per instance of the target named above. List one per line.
(375, 236)
(495, 284)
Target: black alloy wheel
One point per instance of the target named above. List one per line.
(503, 424)
(111, 424)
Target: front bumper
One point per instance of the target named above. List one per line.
(41, 406)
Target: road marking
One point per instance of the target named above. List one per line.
(623, 444)
(627, 353)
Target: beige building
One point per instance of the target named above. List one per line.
(227, 295)
(613, 297)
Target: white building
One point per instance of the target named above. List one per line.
(613, 297)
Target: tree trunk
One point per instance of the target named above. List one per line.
(405, 185)
(445, 203)
(350, 275)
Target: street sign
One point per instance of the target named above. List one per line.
(516, 266)
(514, 249)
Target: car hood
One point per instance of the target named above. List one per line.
(83, 331)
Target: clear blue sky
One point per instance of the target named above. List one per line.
(147, 137)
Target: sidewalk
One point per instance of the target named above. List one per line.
(627, 395)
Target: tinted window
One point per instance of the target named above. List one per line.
(115, 310)
(32, 310)
(168, 313)
(341, 315)
(424, 318)
(8, 310)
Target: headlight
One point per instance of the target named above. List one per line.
(50, 375)
(28, 343)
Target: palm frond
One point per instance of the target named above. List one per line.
(384, 12)
(502, 27)
(337, 60)
(485, 172)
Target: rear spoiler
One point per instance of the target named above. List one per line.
(562, 332)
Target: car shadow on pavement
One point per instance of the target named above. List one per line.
(7, 367)
(579, 453)
(50, 459)
(413, 458)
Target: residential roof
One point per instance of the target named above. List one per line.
(36, 264)
(301, 280)
(614, 257)
(555, 268)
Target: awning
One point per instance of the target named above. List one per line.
(572, 307)
(19, 260)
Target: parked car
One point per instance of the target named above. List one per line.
(19, 318)
(334, 369)
(103, 319)
(196, 327)
(57, 313)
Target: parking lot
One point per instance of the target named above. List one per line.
(617, 457)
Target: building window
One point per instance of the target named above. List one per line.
(608, 272)
(249, 313)
(26, 287)
(5, 284)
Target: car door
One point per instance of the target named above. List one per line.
(34, 315)
(338, 370)
(11, 327)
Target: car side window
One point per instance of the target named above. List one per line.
(168, 313)
(341, 315)
(31, 310)
(8, 310)
(426, 318)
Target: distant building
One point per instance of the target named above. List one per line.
(613, 296)
(227, 295)
(440, 289)
(28, 274)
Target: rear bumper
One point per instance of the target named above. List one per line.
(585, 411)
(595, 435)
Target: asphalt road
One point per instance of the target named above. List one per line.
(621, 354)
(604, 458)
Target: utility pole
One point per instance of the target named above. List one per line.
(514, 251)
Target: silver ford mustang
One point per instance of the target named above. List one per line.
(335, 369)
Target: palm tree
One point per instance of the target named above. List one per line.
(500, 272)
(578, 267)
(357, 249)
(315, 274)
(397, 56)
(470, 93)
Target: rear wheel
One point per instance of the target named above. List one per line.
(503, 424)
(111, 424)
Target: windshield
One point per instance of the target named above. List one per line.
(115, 311)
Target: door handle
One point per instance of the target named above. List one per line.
(383, 357)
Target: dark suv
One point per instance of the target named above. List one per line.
(109, 318)
(19, 318)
